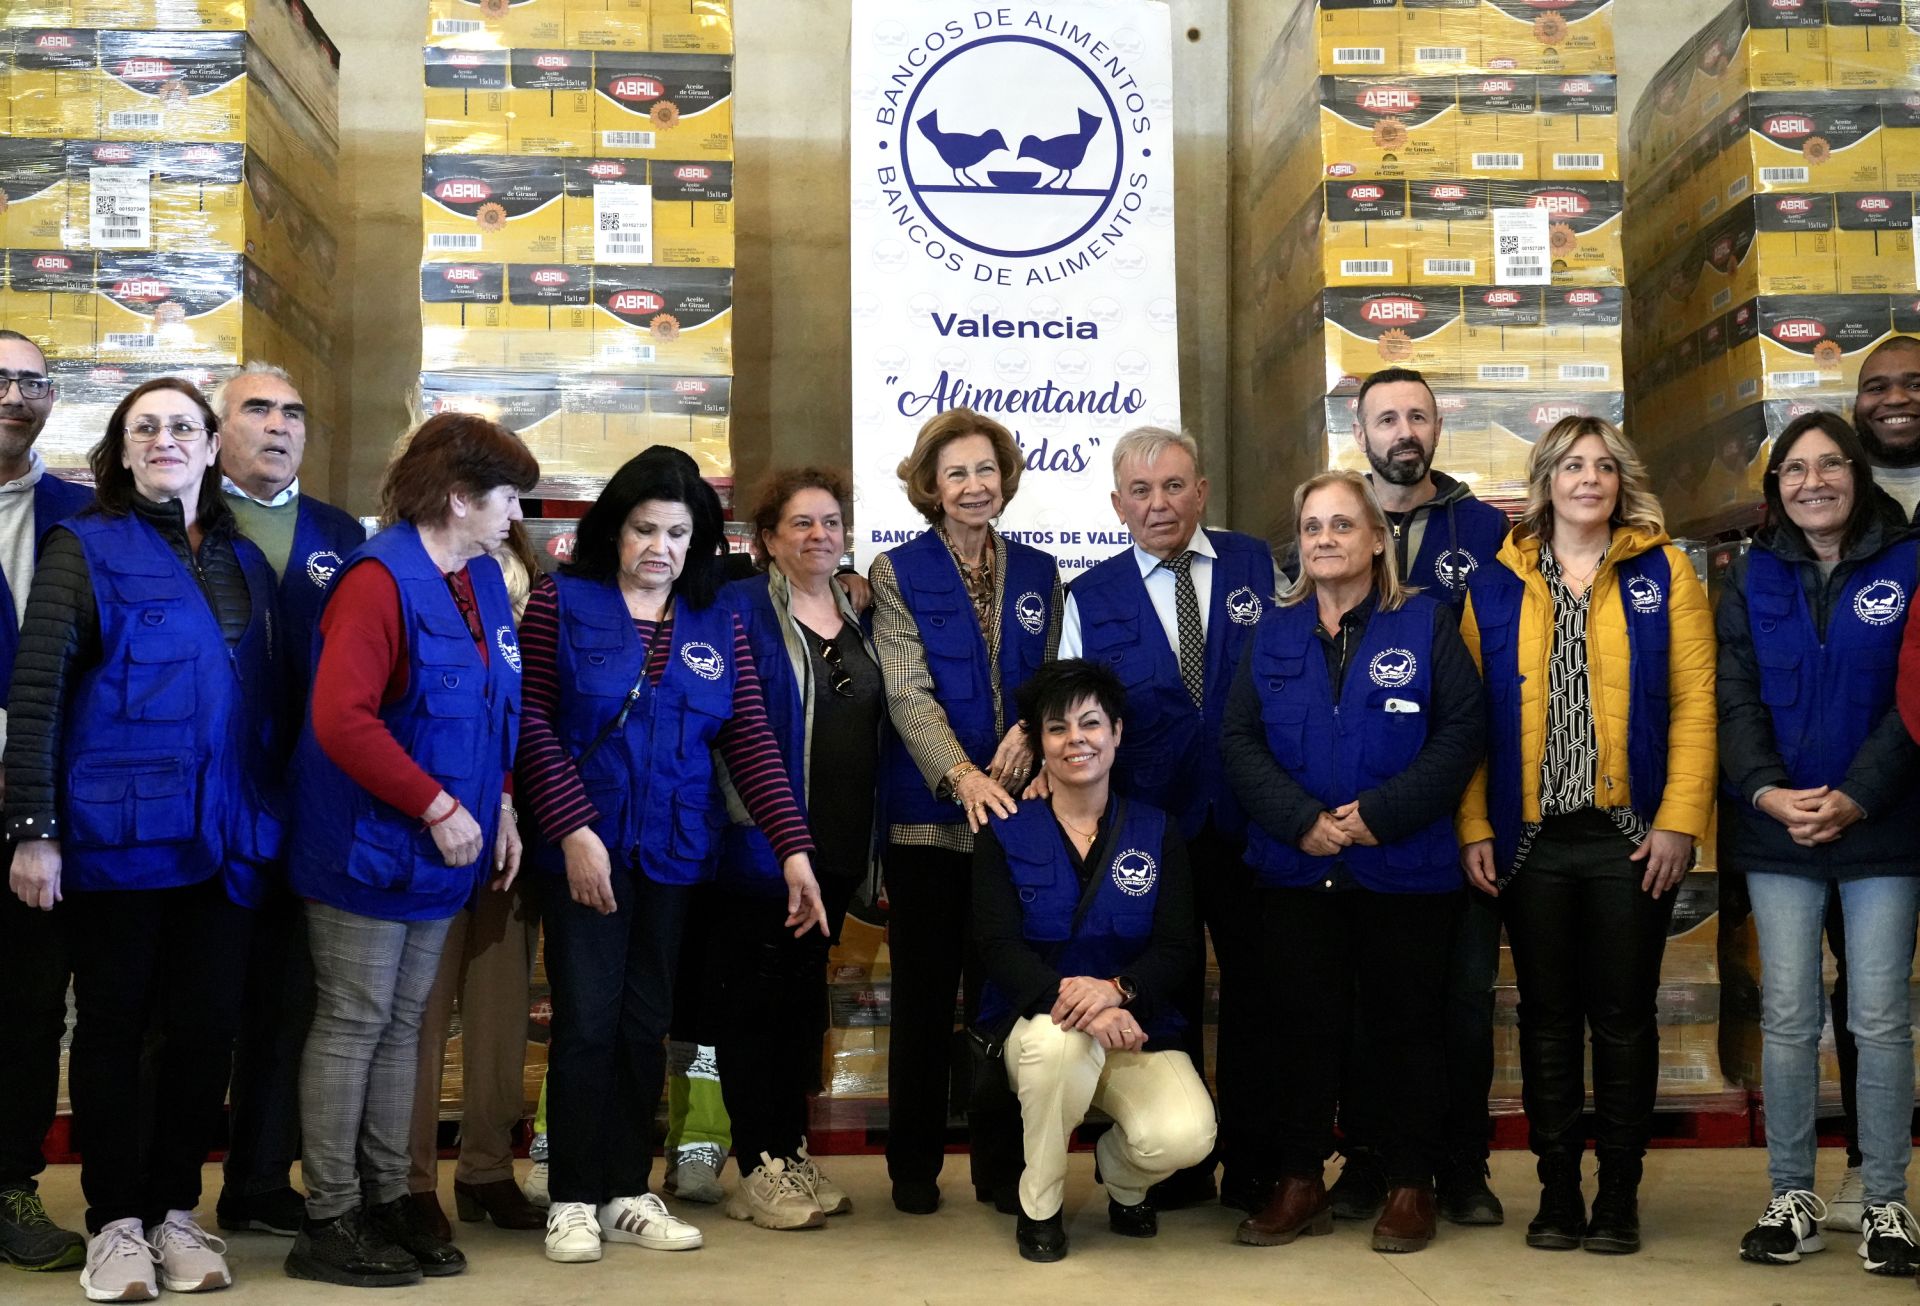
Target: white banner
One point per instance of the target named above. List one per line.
(1012, 249)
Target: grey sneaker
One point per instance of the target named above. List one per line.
(1848, 1206)
(120, 1264)
(830, 1197)
(693, 1174)
(30, 1240)
(191, 1259)
(535, 1186)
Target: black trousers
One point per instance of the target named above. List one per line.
(1333, 959)
(1587, 943)
(929, 903)
(1845, 1049)
(34, 968)
(170, 961)
(264, 1121)
(612, 979)
(775, 995)
(1229, 907)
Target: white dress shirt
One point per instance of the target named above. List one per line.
(1160, 586)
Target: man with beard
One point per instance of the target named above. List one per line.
(1441, 536)
(263, 438)
(1886, 413)
(33, 945)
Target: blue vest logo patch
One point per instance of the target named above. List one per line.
(1392, 668)
(1643, 592)
(509, 646)
(1134, 873)
(703, 659)
(1454, 566)
(1243, 607)
(1031, 610)
(322, 567)
(1880, 603)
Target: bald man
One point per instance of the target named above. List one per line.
(1886, 413)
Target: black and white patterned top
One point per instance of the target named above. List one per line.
(1571, 756)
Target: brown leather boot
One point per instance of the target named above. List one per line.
(1297, 1206)
(1409, 1222)
(501, 1201)
(432, 1216)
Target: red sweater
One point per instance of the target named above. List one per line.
(550, 781)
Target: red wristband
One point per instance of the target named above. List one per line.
(441, 820)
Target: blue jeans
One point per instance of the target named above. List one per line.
(1880, 913)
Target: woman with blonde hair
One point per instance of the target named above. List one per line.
(1598, 650)
(1352, 725)
(962, 617)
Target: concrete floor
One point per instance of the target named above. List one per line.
(1695, 1206)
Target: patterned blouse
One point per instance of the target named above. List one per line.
(1571, 756)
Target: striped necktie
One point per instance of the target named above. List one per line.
(1193, 643)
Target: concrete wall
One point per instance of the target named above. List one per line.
(792, 399)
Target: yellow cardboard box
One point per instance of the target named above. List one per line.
(1547, 36)
(1580, 348)
(550, 106)
(692, 214)
(581, 176)
(1816, 140)
(169, 308)
(1438, 37)
(492, 207)
(1900, 138)
(1501, 342)
(1358, 37)
(690, 26)
(1819, 341)
(1405, 326)
(1364, 233)
(33, 182)
(1389, 127)
(173, 86)
(49, 296)
(1794, 246)
(1784, 47)
(1499, 128)
(496, 24)
(692, 414)
(1873, 250)
(1868, 43)
(1583, 226)
(1579, 127)
(463, 316)
(466, 101)
(672, 106)
(54, 83)
(550, 317)
(1450, 233)
(670, 319)
(609, 25)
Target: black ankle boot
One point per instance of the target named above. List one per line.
(404, 1224)
(1615, 1226)
(1562, 1220)
(344, 1250)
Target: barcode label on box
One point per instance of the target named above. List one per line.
(1371, 54)
(135, 120)
(1521, 247)
(1585, 372)
(1737, 187)
(119, 208)
(627, 140)
(456, 26)
(1448, 267)
(1721, 299)
(1499, 162)
(623, 352)
(131, 340)
(1747, 390)
(1366, 267)
(1784, 176)
(462, 241)
(1793, 380)
(1688, 1073)
(1579, 162)
(1440, 54)
(1505, 372)
(622, 223)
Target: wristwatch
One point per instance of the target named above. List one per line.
(1129, 991)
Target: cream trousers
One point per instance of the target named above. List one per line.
(1162, 1116)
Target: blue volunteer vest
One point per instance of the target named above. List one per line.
(1460, 538)
(1826, 697)
(1170, 750)
(1645, 584)
(652, 781)
(1101, 931)
(459, 719)
(1338, 751)
(323, 539)
(54, 500)
(957, 658)
(166, 777)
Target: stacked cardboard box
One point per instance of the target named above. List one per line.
(1457, 209)
(168, 197)
(576, 278)
(1772, 165)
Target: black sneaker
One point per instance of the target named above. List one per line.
(1788, 1230)
(345, 1251)
(1463, 1196)
(402, 1223)
(1138, 1221)
(281, 1211)
(1890, 1246)
(1562, 1221)
(1360, 1193)
(30, 1240)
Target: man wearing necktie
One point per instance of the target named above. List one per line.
(1171, 615)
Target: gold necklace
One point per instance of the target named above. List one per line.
(1086, 835)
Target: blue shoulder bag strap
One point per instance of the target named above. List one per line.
(1646, 595)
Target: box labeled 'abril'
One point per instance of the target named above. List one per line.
(491, 208)
(1900, 138)
(1786, 46)
(1816, 140)
(1819, 341)
(463, 316)
(49, 296)
(1501, 343)
(159, 86)
(550, 107)
(1358, 37)
(1874, 247)
(54, 84)
(1389, 127)
(679, 319)
(1583, 226)
(1793, 246)
(692, 413)
(1547, 36)
(33, 184)
(674, 106)
(1364, 234)
(1499, 131)
(496, 24)
(171, 308)
(466, 101)
(1439, 36)
(549, 317)
(1867, 43)
(1405, 326)
(1579, 127)
(1450, 233)
(1580, 349)
(692, 213)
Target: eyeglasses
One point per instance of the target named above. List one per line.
(146, 431)
(1794, 472)
(837, 678)
(31, 387)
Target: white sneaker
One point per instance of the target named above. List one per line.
(191, 1259)
(573, 1234)
(830, 1197)
(646, 1221)
(535, 1187)
(775, 1197)
(1788, 1230)
(1848, 1204)
(120, 1264)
